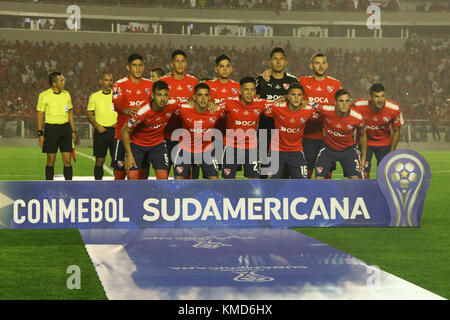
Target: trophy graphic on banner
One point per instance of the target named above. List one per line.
(404, 177)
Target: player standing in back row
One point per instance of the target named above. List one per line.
(321, 89)
(129, 94)
(272, 85)
(181, 87)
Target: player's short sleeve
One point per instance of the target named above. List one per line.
(117, 98)
(398, 120)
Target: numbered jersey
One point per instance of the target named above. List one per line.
(127, 95)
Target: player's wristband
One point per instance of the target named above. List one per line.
(40, 133)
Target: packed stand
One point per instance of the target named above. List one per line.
(416, 77)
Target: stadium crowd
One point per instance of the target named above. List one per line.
(415, 76)
(250, 4)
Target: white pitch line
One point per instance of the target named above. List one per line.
(93, 159)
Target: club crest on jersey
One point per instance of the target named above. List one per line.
(148, 91)
(286, 86)
(235, 91)
(190, 88)
(349, 127)
(330, 89)
(256, 112)
(319, 170)
(385, 119)
(179, 169)
(212, 120)
(120, 163)
(226, 171)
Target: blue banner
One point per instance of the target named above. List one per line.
(396, 198)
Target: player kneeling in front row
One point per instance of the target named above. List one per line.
(196, 146)
(290, 120)
(339, 123)
(143, 135)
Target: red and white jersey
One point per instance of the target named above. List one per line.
(321, 92)
(221, 91)
(378, 124)
(243, 121)
(180, 89)
(339, 130)
(200, 126)
(128, 94)
(290, 125)
(149, 125)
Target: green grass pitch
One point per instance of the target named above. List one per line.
(33, 263)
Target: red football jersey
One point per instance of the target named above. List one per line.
(128, 94)
(149, 125)
(378, 124)
(339, 130)
(178, 89)
(200, 126)
(242, 122)
(290, 125)
(322, 92)
(221, 91)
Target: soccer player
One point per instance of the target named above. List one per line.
(272, 85)
(290, 119)
(55, 106)
(181, 87)
(223, 87)
(240, 139)
(156, 74)
(129, 94)
(383, 119)
(101, 114)
(143, 135)
(340, 123)
(321, 89)
(196, 146)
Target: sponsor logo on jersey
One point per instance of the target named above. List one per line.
(244, 123)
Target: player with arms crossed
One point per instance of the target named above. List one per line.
(101, 114)
(196, 146)
(383, 119)
(54, 108)
(129, 95)
(319, 88)
(340, 123)
(290, 119)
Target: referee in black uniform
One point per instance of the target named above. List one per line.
(54, 109)
(275, 88)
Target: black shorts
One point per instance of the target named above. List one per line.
(118, 158)
(347, 157)
(170, 145)
(291, 165)
(379, 151)
(311, 149)
(103, 142)
(184, 160)
(57, 136)
(234, 157)
(156, 155)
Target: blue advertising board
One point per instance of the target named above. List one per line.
(395, 198)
